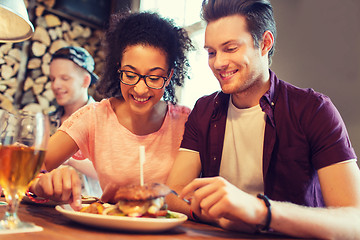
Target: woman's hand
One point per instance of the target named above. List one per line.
(61, 184)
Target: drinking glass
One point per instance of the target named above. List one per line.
(24, 137)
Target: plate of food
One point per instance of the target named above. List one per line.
(136, 208)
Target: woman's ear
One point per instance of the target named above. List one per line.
(267, 42)
(169, 78)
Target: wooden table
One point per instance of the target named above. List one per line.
(56, 226)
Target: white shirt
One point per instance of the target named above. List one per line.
(241, 162)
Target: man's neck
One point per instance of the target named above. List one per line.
(251, 96)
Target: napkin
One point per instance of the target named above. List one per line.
(32, 228)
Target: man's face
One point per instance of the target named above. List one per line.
(67, 81)
(233, 58)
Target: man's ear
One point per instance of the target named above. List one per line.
(87, 80)
(267, 42)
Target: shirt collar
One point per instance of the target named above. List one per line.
(221, 98)
(267, 101)
(269, 96)
(221, 103)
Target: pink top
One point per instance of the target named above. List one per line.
(114, 150)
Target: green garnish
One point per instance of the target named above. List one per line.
(171, 215)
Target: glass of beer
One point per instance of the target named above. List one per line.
(24, 137)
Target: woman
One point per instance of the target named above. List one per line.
(145, 60)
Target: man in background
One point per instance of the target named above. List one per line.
(71, 75)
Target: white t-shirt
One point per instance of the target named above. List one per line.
(241, 162)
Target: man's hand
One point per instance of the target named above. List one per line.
(217, 198)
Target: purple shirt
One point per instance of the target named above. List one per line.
(304, 132)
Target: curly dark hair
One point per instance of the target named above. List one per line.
(146, 28)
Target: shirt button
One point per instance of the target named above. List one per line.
(272, 103)
(214, 159)
(214, 125)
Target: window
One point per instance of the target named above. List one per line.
(186, 13)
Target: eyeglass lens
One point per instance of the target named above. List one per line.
(151, 81)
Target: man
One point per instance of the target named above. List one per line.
(263, 135)
(71, 75)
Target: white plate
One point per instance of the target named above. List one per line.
(122, 223)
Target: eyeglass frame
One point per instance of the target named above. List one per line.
(141, 77)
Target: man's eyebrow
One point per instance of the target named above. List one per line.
(223, 44)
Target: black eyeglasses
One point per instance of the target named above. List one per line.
(132, 78)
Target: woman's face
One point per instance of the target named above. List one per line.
(144, 60)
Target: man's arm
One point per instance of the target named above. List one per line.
(232, 207)
(186, 168)
(340, 185)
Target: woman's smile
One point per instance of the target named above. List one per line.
(141, 99)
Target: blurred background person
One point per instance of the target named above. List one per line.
(71, 75)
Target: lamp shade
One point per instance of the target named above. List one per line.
(15, 25)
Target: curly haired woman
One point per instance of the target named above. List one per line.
(146, 59)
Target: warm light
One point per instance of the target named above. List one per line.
(15, 25)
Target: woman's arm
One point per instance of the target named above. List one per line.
(60, 148)
(60, 184)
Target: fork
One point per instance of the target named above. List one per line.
(176, 194)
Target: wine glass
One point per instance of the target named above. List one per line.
(24, 136)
